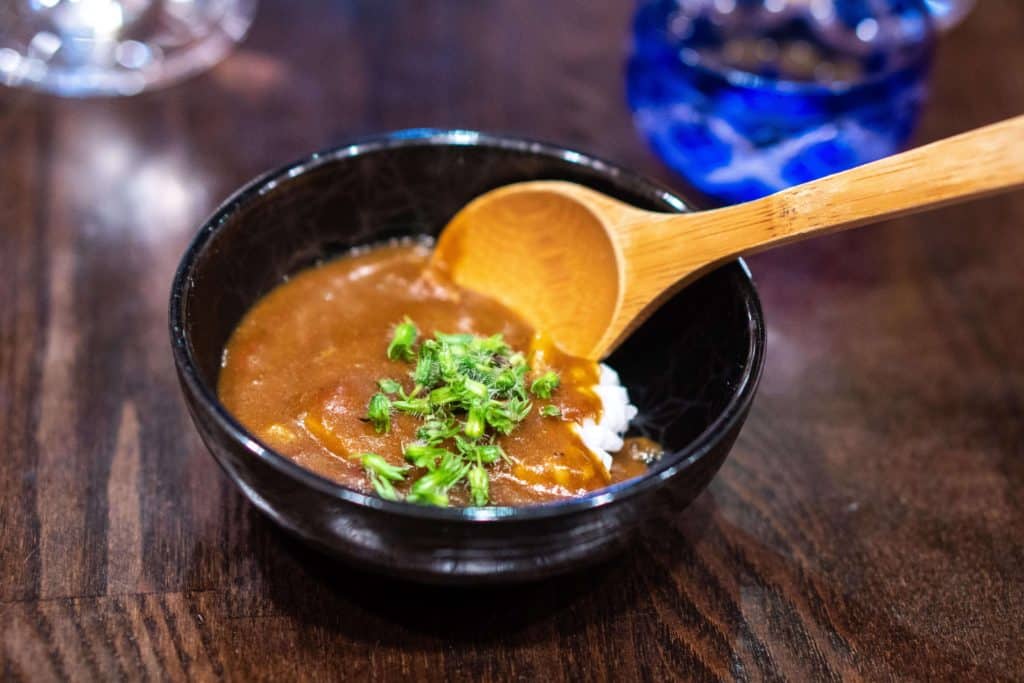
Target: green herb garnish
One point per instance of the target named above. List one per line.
(475, 424)
(435, 431)
(479, 485)
(404, 337)
(381, 474)
(550, 410)
(432, 488)
(467, 390)
(379, 412)
(423, 455)
(545, 384)
(413, 406)
(389, 386)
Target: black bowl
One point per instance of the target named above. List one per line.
(692, 369)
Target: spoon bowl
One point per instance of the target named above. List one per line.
(516, 234)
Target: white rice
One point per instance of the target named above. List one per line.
(605, 437)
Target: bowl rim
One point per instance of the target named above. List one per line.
(187, 367)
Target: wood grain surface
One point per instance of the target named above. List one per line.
(869, 524)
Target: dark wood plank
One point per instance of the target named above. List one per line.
(867, 526)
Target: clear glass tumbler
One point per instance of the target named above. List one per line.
(81, 48)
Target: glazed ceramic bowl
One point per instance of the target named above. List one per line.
(692, 369)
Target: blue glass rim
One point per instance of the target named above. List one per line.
(748, 79)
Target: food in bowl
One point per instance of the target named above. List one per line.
(692, 369)
(375, 371)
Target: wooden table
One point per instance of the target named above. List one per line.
(869, 524)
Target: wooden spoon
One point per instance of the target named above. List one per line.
(588, 269)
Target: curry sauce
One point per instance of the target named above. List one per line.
(301, 366)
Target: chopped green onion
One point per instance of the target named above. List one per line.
(432, 488)
(550, 410)
(498, 417)
(382, 468)
(426, 495)
(519, 408)
(475, 423)
(404, 337)
(413, 406)
(479, 485)
(428, 370)
(453, 340)
(494, 345)
(434, 431)
(389, 386)
(423, 455)
(443, 395)
(379, 413)
(483, 453)
(383, 487)
(545, 384)
(474, 388)
(381, 473)
(505, 416)
(510, 378)
(467, 390)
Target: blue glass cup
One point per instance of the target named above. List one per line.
(746, 97)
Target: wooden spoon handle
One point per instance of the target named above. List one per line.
(973, 164)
